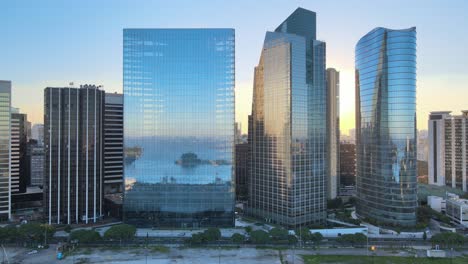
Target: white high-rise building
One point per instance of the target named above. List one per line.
(448, 145)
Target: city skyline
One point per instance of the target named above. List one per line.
(92, 53)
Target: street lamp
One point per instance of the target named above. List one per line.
(373, 248)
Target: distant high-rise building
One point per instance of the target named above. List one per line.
(73, 121)
(386, 126)
(19, 167)
(333, 119)
(5, 123)
(289, 146)
(423, 145)
(347, 164)
(179, 127)
(448, 146)
(113, 143)
(36, 158)
(37, 133)
(242, 159)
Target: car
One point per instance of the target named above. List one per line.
(32, 252)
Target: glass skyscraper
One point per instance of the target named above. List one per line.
(288, 141)
(386, 126)
(5, 126)
(179, 127)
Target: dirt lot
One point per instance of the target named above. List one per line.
(140, 255)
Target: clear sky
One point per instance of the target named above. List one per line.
(51, 43)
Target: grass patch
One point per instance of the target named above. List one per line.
(159, 249)
(272, 247)
(83, 251)
(319, 259)
(222, 247)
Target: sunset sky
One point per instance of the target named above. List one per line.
(51, 43)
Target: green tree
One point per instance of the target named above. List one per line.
(292, 239)
(212, 234)
(448, 239)
(278, 234)
(352, 239)
(303, 233)
(35, 232)
(424, 236)
(237, 238)
(197, 238)
(260, 237)
(120, 232)
(334, 203)
(8, 233)
(316, 238)
(85, 236)
(248, 229)
(67, 228)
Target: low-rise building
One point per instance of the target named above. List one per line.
(457, 210)
(437, 203)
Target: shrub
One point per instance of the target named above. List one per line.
(248, 229)
(353, 239)
(197, 238)
(8, 233)
(85, 236)
(238, 238)
(212, 234)
(67, 228)
(120, 232)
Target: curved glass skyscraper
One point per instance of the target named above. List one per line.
(386, 126)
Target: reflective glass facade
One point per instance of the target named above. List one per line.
(386, 126)
(288, 139)
(5, 122)
(179, 127)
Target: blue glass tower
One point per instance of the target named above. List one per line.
(386, 126)
(179, 127)
(288, 141)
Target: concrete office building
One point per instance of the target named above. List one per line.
(289, 141)
(5, 123)
(457, 210)
(113, 143)
(36, 157)
(436, 155)
(73, 121)
(333, 119)
(19, 166)
(448, 146)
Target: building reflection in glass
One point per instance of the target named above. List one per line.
(179, 127)
(386, 126)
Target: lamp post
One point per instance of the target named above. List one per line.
(373, 248)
